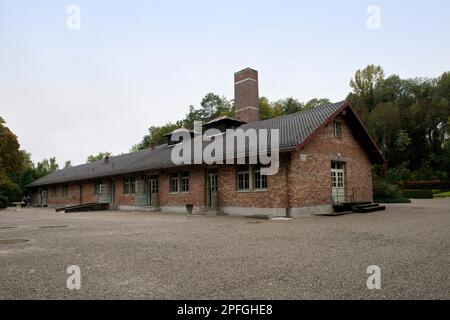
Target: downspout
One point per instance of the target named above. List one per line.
(286, 179)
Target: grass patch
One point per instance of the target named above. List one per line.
(437, 191)
(443, 195)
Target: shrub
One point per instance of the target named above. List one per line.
(426, 184)
(399, 173)
(9, 191)
(3, 202)
(384, 191)
(418, 194)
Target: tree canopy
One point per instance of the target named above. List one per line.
(408, 118)
(98, 156)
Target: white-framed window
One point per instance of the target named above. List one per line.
(129, 185)
(243, 178)
(174, 183)
(184, 178)
(154, 184)
(337, 129)
(98, 188)
(259, 180)
(179, 182)
(249, 177)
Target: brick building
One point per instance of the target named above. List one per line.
(325, 158)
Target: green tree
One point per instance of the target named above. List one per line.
(365, 84)
(385, 124)
(313, 103)
(291, 105)
(212, 106)
(156, 135)
(67, 164)
(11, 165)
(11, 158)
(98, 156)
(269, 110)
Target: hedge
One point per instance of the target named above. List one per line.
(393, 200)
(426, 184)
(418, 194)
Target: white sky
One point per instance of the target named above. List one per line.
(132, 64)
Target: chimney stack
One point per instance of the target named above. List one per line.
(246, 97)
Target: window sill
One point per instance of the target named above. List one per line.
(243, 191)
(259, 190)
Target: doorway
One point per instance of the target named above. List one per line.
(212, 188)
(338, 182)
(44, 198)
(152, 191)
(112, 192)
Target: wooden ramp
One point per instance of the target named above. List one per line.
(85, 207)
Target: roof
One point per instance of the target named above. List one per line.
(179, 130)
(295, 131)
(224, 119)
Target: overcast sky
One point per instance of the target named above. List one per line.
(133, 64)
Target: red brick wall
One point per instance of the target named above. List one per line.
(87, 192)
(35, 197)
(273, 197)
(246, 95)
(58, 199)
(124, 199)
(196, 194)
(310, 180)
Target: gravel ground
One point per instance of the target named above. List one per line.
(124, 255)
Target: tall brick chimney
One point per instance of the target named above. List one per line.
(246, 97)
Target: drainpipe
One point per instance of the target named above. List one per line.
(286, 179)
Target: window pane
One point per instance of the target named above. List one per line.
(259, 180)
(337, 129)
(243, 178)
(263, 182)
(126, 186)
(133, 185)
(185, 182)
(174, 183)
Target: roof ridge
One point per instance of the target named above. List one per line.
(296, 113)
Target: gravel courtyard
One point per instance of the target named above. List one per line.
(126, 255)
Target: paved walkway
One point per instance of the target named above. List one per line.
(159, 256)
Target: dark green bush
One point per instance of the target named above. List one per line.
(418, 194)
(9, 191)
(394, 200)
(382, 190)
(3, 202)
(426, 184)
